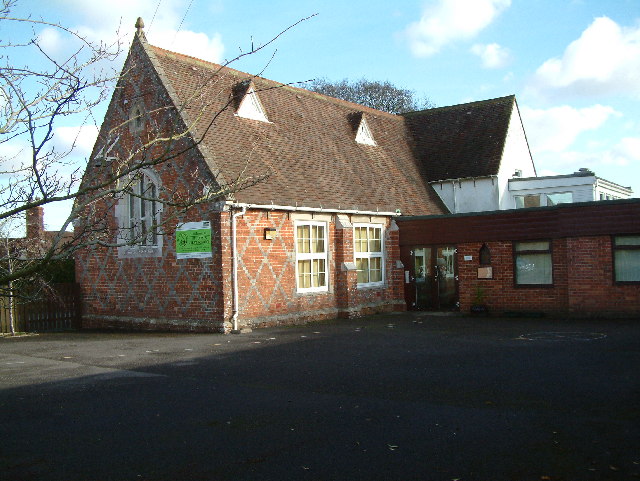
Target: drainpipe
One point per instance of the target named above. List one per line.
(234, 260)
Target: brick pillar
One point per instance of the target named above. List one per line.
(396, 268)
(347, 276)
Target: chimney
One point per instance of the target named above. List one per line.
(35, 223)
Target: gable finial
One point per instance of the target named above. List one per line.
(139, 25)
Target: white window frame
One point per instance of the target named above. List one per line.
(312, 256)
(139, 215)
(369, 254)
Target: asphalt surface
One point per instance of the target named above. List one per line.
(395, 397)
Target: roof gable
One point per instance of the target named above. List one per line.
(461, 141)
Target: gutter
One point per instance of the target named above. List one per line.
(234, 261)
(296, 208)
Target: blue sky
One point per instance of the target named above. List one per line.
(574, 65)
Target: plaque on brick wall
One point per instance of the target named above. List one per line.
(193, 240)
(485, 272)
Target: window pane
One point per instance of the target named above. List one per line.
(532, 246)
(375, 242)
(375, 269)
(303, 239)
(317, 239)
(319, 273)
(361, 239)
(559, 198)
(627, 265)
(532, 200)
(628, 241)
(304, 274)
(533, 269)
(363, 270)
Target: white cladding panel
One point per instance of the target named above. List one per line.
(469, 195)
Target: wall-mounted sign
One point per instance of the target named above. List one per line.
(485, 272)
(193, 240)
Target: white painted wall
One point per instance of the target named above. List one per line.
(516, 156)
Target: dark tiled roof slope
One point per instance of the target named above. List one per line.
(461, 141)
(308, 147)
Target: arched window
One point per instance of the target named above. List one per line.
(138, 212)
(137, 118)
(142, 203)
(485, 255)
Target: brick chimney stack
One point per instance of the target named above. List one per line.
(35, 223)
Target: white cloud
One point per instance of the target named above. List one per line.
(605, 161)
(447, 21)
(197, 45)
(81, 139)
(492, 55)
(50, 40)
(555, 129)
(107, 20)
(626, 152)
(605, 59)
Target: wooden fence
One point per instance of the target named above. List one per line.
(58, 311)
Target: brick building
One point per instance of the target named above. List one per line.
(313, 238)
(572, 259)
(311, 193)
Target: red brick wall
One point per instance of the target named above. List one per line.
(162, 292)
(582, 281)
(267, 283)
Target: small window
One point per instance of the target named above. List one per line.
(533, 263)
(136, 118)
(626, 258)
(524, 201)
(311, 256)
(559, 198)
(368, 248)
(485, 255)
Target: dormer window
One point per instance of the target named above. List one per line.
(251, 107)
(363, 136)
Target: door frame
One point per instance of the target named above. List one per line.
(435, 302)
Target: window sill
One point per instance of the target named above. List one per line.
(372, 285)
(311, 292)
(133, 252)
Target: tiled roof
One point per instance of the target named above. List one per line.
(308, 145)
(461, 141)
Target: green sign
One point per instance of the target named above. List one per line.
(193, 240)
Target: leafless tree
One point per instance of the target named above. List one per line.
(375, 94)
(35, 99)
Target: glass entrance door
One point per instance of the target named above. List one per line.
(423, 278)
(434, 278)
